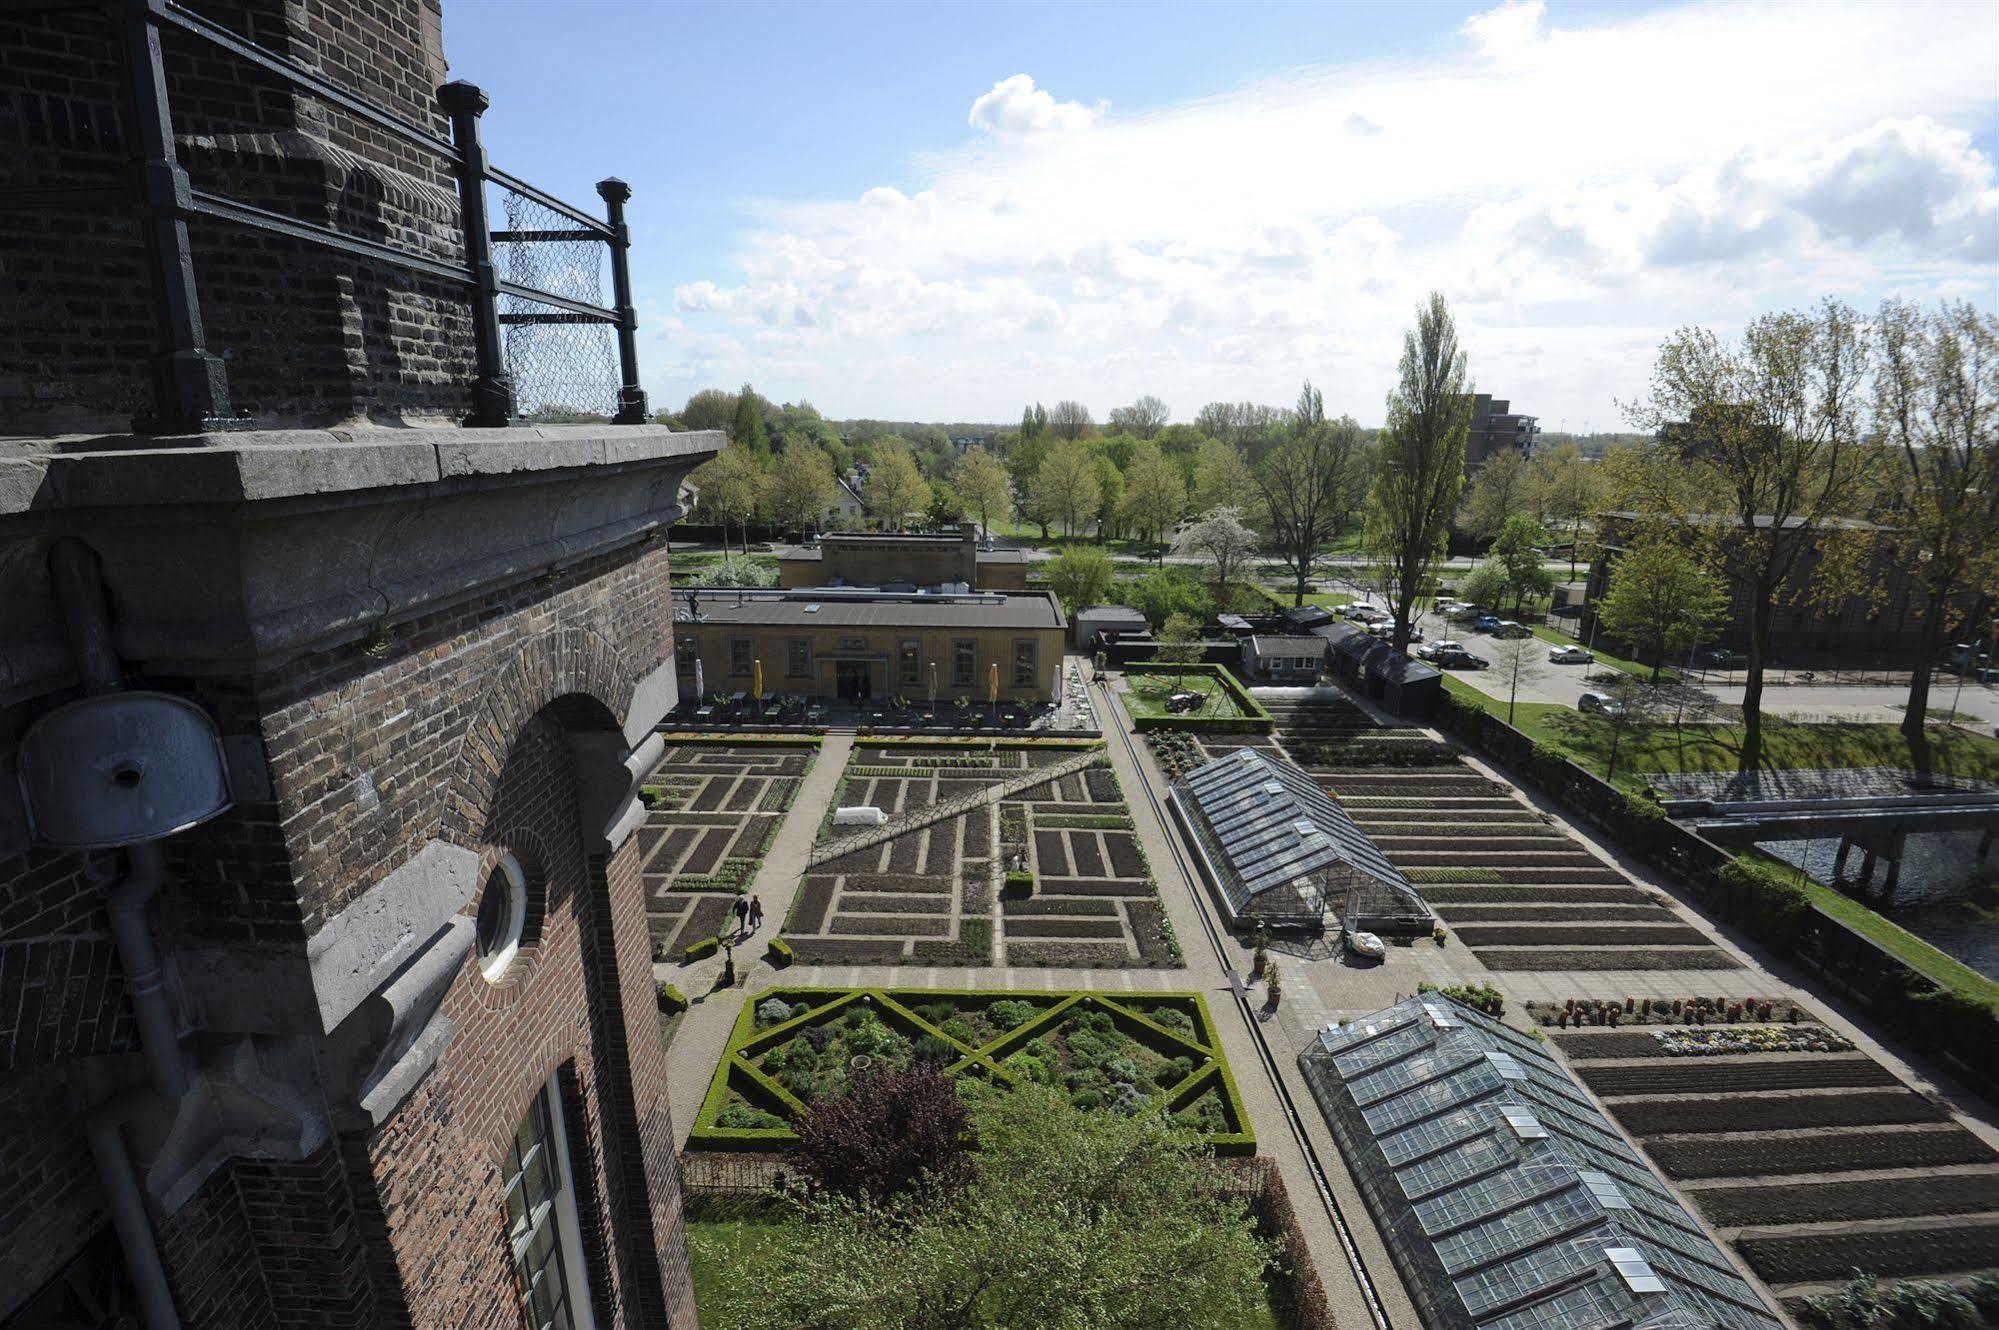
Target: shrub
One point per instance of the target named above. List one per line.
(1767, 902)
(1008, 1013)
(773, 1011)
(779, 952)
(697, 951)
(936, 1051)
(744, 1116)
(1019, 883)
(1479, 997)
(1172, 1018)
(866, 1034)
(892, 1131)
(671, 999)
(937, 1012)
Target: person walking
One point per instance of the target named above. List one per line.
(742, 916)
(756, 913)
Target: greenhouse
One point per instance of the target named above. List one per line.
(1508, 1201)
(1278, 851)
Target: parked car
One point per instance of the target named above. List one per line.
(1570, 655)
(1431, 651)
(1486, 623)
(1603, 704)
(1464, 613)
(1385, 630)
(1459, 659)
(1366, 613)
(1718, 659)
(1508, 628)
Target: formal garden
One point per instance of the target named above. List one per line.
(794, 1048)
(713, 807)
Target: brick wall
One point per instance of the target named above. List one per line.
(49, 1200)
(309, 337)
(436, 1164)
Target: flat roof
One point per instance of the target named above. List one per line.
(944, 543)
(1269, 644)
(1018, 609)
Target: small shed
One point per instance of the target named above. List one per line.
(1093, 620)
(1304, 618)
(1371, 667)
(1267, 658)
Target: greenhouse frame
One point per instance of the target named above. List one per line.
(1278, 851)
(1506, 1197)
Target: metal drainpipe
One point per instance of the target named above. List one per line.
(128, 1216)
(79, 592)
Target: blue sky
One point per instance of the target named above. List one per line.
(942, 211)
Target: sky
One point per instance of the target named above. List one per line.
(942, 212)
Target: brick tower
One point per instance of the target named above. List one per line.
(325, 985)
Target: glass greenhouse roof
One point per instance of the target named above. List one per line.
(1268, 829)
(1507, 1198)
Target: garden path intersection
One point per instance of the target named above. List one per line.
(1533, 906)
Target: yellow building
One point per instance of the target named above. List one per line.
(853, 645)
(901, 560)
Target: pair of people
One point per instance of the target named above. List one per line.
(749, 914)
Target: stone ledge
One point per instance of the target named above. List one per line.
(77, 472)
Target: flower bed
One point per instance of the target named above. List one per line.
(1714, 1041)
(794, 1046)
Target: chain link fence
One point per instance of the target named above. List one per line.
(564, 365)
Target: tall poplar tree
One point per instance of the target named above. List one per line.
(1422, 465)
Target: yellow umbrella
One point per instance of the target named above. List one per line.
(992, 683)
(757, 680)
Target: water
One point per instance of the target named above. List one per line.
(1944, 895)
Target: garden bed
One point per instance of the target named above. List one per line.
(1752, 1154)
(1793, 1202)
(792, 1047)
(1147, 688)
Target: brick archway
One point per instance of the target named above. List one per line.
(575, 673)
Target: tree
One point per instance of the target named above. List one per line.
(1033, 423)
(711, 408)
(1505, 485)
(1065, 485)
(1661, 601)
(1081, 575)
(1179, 644)
(1110, 498)
(894, 488)
(1155, 494)
(1511, 655)
(747, 427)
(1070, 420)
(1764, 439)
(1570, 489)
(1937, 408)
(1076, 1218)
(1422, 465)
(1143, 419)
(1222, 478)
(1165, 592)
(1220, 541)
(893, 1131)
(982, 484)
(1517, 556)
(1308, 488)
(801, 486)
(1310, 413)
(731, 485)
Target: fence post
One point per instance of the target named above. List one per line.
(632, 406)
(492, 390)
(190, 384)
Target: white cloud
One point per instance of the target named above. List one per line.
(1015, 108)
(1576, 191)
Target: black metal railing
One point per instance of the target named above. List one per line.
(545, 281)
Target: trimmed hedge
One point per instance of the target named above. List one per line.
(1180, 1022)
(1019, 884)
(703, 739)
(779, 952)
(1253, 720)
(671, 999)
(700, 951)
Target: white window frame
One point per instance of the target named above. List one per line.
(494, 963)
(560, 1210)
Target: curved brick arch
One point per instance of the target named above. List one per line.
(576, 673)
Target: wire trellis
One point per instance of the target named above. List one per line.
(564, 367)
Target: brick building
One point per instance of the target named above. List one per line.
(365, 1035)
(1496, 425)
(894, 558)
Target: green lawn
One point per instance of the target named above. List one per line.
(1787, 745)
(727, 1253)
(1897, 941)
(1149, 693)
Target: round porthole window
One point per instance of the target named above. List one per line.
(503, 908)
